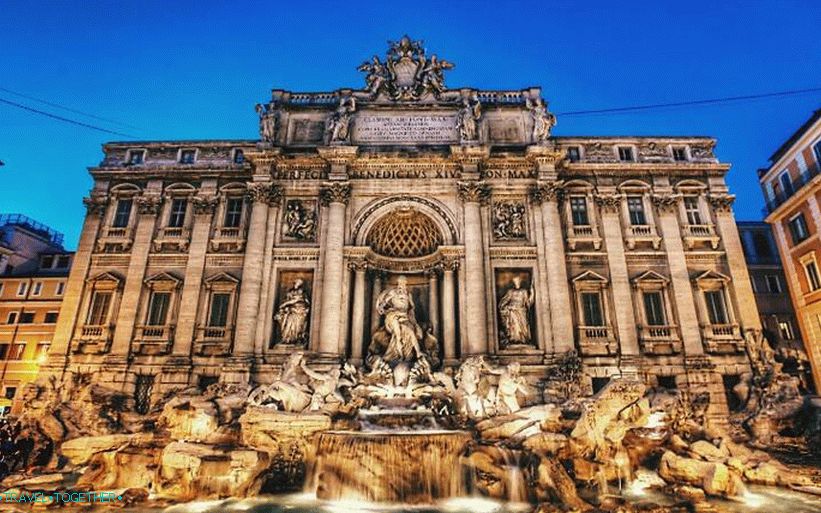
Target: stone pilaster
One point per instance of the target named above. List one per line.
(433, 301)
(734, 251)
(473, 194)
(148, 206)
(73, 296)
(376, 289)
(667, 206)
(546, 195)
(609, 204)
(204, 205)
(261, 193)
(335, 197)
(449, 308)
(359, 269)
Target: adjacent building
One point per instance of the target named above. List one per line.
(34, 268)
(205, 261)
(792, 188)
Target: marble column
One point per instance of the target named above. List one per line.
(667, 206)
(261, 194)
(546, 194)
(335, 197)
(96, 206)
(449, 308)
(610, 205)
(433, 301)
(358, 313)
(148, 206)
(473, 194)
(376, 290)
(203, 206)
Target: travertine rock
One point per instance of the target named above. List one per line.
(80, 451)
(522, 424)
(546, 444)
(714, 478)
(708, 452)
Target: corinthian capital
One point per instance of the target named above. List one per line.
(148, 204)
(473, 191)
(96, 204)
(721, 202)
(608, 202)
(204, 205)
(335, 192)
(546, 191)
(264, 192)
(665, 202)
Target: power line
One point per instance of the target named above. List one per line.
(692, 102)
(67, 120)
(75, 111)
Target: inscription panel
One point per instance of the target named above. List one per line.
(405, 129)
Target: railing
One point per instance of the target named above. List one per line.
(213, 340)
(641, 230)
(156, 333)
(213, 333)
(173, 233)
(722, 330)
(802, 180)
(92, 339)
(596, 341)
(583, 231)
(658, 331)
(594, 332)
(228, 233)
(699, 230)
(33, 226)
(112, 232)
(94, 331)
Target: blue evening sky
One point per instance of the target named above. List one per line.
(194, 69)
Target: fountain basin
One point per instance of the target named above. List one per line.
(411, 467)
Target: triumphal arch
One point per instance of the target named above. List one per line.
(365, 225)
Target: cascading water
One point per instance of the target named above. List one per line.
(406, 466)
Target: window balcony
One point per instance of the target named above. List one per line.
(695, 234)
(115, 239)
(797, 184)
(154, 340)
(585, 234)
(213, 340)
(636, 234)
(230, 240)
(173, 239)
(596, 341)
(92, 339)
(659, 340)
(722, 338)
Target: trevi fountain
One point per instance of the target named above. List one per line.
(479, 361)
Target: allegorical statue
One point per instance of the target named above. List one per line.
(300, 222)
(397, 306)
(431, 74)
(340, 122)
(467, 120)
(377, 75)
(290, 392)
(268, 122)
(514, 309)
(292, 315)
(543, 121)
(509, 220)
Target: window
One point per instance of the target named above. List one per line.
(187, 156)
(798, 228)
(813, 279)
(41, 353)
(177, 216)
(98, 313)
(218, 314)
(635, 206)
(785, 327)
(4, 351)
(233, 212)
(578, 209)
(12, 318)
(51, 318)
(667, 382)
(27, 318)
(203, 382)
(10, 392)
(692, 210)
(17, 350)
(773, 283)
(786, 183)
(592, 311)
(47, 262)
(22, 288)
(574, 154)
(599, 383)
(239, 156)
(626, 154)
(37, 289)
(142, 393)
(158, 308)
(817, 150)
(136, 157)
(63, 261)
(716, 308)
(762, 246)
(730, 381)
(679, 154)
(1, 288)
(61, 287)
(654, 309)
(122, 214)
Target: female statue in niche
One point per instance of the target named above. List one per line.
(514, 309)
(397, 306)
(292, 315)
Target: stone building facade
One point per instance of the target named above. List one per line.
(215, 260)
(34, 268)
(792, 189)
